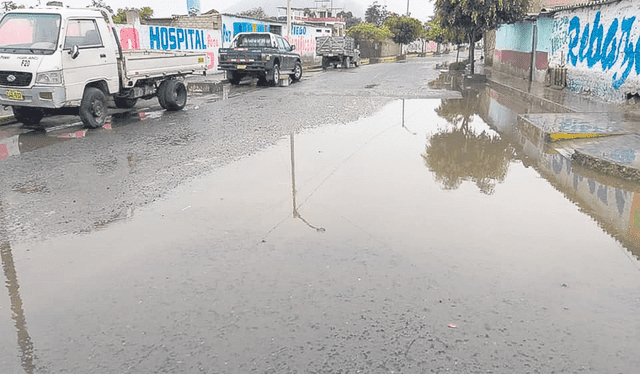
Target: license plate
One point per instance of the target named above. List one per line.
(15, 95)
(242, 66)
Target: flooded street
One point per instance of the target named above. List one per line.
(431, 235)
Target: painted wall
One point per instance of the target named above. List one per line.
(231, 26)
(172, 39)
(302, 36)
(513, 50)
(600, 46)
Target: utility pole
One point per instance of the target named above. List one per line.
(288, 18)
(408, 14)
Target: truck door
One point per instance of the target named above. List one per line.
(288, 58)
(94, 62)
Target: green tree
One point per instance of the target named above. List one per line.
(349, 19)
(369, 32)
(474, 17)
(256, 12)
(10, 5)
(462, 153)
(404, 29)
(100, 4)
(144, 13)
(376, 14)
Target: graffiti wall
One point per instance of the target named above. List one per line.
(600, 46)
(231, 26)
(304, 38)
(172, 39)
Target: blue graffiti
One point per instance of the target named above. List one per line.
(593, 46)
(298, 30)
(227, 35)
(174, 38)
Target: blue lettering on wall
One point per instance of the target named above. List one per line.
(154, 38)
(180, 37)
(199, 39)
(298, 30)
(164, 38)
(173, 38)
(593, 46)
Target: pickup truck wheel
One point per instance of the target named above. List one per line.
(93, 108)
(125, 103)
(172, 95)
(27, 116)
(234, 77)
(297, 72)
(325, 62)
(275, 74)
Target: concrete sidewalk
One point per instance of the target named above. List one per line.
(612, 130)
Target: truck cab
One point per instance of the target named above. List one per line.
(50, 54)
(260, 54)
(58, 59)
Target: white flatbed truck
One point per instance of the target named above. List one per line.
(55, 59)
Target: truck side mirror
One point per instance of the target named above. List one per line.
(293, 46)
(74, 52)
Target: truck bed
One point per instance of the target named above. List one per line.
(335, 46)
(143, 64)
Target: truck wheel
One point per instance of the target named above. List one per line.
(234, 77)
(93, 108)
(172, 95)
(125, 103)
(275, 74)
(325, 62)
(346, 62)
(297, 72)
(27, 116)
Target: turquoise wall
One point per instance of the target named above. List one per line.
(515, 37)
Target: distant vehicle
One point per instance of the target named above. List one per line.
(337, 50)
(260, 54)
(59, 60)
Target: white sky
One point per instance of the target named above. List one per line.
(420, 9)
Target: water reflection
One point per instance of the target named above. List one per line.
(17, 313)
(296, 213)
(462, 152)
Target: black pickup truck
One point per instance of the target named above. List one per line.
(260, 54)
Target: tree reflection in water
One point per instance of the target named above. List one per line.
(459, 153)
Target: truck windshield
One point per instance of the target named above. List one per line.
(29, 33)
(253, 40)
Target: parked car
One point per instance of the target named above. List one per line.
(260, 54)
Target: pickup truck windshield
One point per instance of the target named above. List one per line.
(253, 40)
(29, 33)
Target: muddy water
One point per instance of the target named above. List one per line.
(416, 240)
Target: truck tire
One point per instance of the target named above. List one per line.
(172, 95)
(124, 102)
(234, 77)
(325, 62)
(346, 62)
(93, 108)
(297, 72)
(275, 74)
(27, 116)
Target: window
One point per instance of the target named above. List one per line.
(83, 33)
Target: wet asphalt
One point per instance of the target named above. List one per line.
(372, 220)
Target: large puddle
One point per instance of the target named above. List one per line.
(405, 239)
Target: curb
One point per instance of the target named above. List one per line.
(8, 119)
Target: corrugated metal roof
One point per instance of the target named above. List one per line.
(585, 4)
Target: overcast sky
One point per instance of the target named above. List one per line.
(420, 9)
